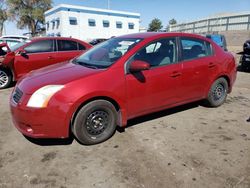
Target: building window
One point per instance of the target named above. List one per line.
(47, 26)
(57, 23)
(92, 22)
(72, 21)
(53, 24)
(131, 25)
(119, 25)
(105, 23)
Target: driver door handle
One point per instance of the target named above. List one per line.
(211, 65)
(175, 74)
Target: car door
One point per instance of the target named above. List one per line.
(68, 49)
(159, 86)
(198, 65)
(35, 55)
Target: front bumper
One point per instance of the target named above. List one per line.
(50, 122)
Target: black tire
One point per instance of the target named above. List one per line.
(95, 122)
(218, 93)
(5, 78)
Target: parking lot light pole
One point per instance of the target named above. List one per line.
(108, 4)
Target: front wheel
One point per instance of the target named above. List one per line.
(95, 122)
(5, 78)
(218, 92)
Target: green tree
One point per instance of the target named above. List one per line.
(3, 16)
(171, 22)
(28, 13)
(155, 25)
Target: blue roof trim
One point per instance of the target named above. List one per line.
(91, 12)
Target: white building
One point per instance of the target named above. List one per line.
(87, 23)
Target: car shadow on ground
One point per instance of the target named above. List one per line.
(51, 142)
(132, 122)
(240, 69)
(163, 113)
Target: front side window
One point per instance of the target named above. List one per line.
(192, 48)
(81, 47)
(158, 53)
(66, 45)
(40, 46)
(106, 53)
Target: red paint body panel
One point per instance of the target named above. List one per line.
(136, 94)
(21, 65)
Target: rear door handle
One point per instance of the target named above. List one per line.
(175, 74)
(211, 65)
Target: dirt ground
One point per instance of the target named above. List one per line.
(188, 146)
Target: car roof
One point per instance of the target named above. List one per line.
(58, 38)
(15, 36)
(11, 39)
(148, 35)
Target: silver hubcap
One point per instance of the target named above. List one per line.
(3, 78)
(219, 92)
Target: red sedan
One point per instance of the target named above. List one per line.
(120, 79)
(40, 52)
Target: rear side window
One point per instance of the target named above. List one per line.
(40, 46)
(81, 47)
(192, 48)
(209, 49)
(66, 45)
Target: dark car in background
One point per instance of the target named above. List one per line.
(245, 57)
(97, 41)
(24, 57)
(218, 39)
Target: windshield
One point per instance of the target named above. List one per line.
(106, 53)
(15, 47)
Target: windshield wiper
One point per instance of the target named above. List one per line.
(86, 64)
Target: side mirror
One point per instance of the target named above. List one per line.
(138, 65)
(23, 53)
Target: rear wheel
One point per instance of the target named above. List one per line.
(218, 92)
(95, 122)
(5, 78)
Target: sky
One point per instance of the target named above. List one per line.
(181, 10)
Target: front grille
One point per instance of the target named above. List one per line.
(17, 95)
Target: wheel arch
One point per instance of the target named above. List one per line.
(121, 117)
(10, 71)
(226, 77)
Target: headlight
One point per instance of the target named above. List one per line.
(41, 97)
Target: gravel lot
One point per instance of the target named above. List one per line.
(188, 146)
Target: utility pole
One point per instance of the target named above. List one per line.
(108, 4)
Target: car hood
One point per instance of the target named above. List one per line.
(58, 74)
